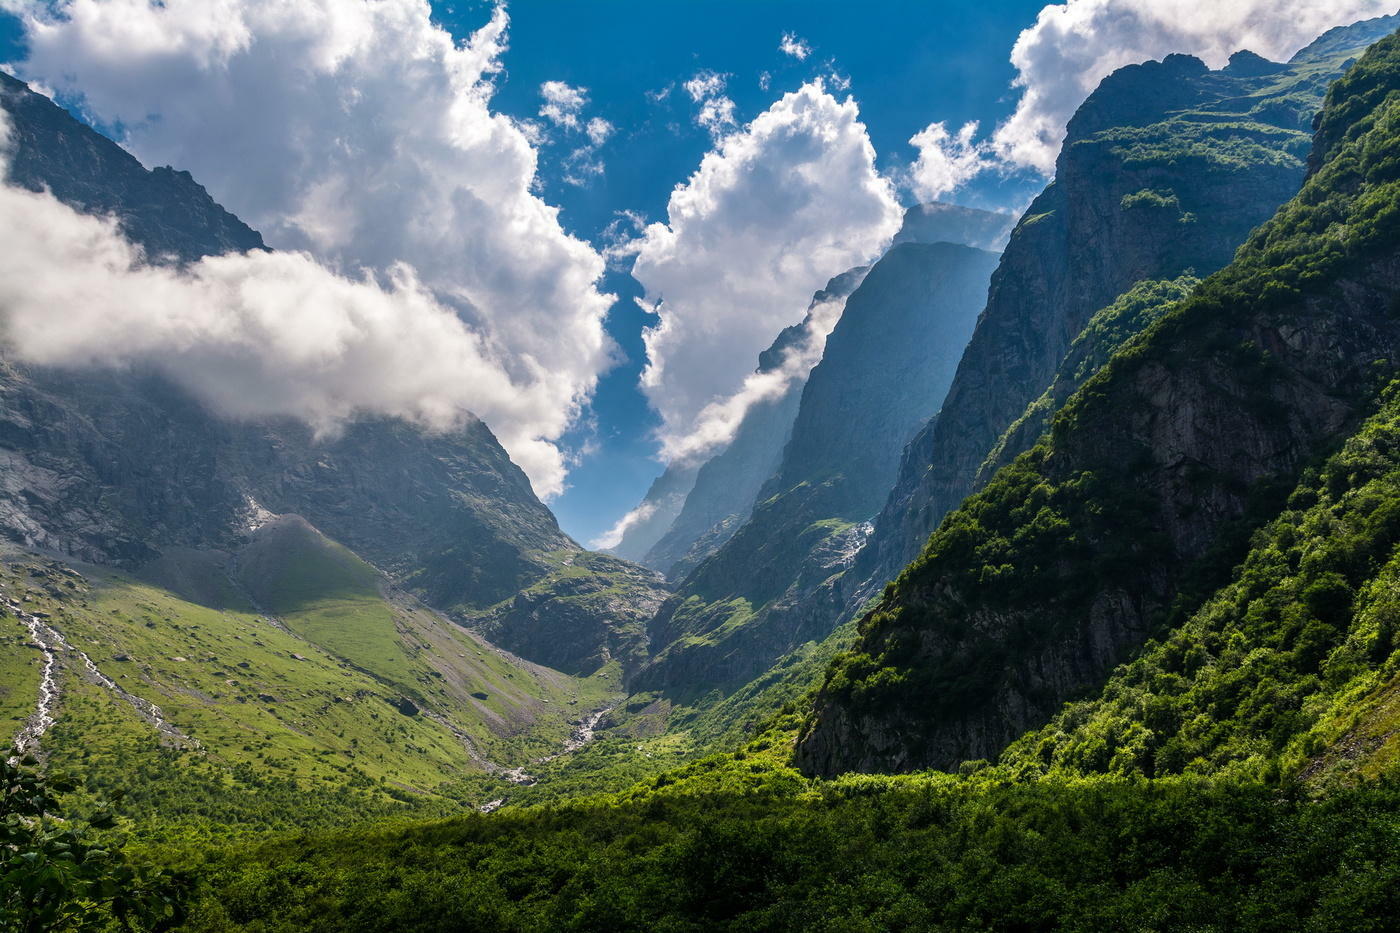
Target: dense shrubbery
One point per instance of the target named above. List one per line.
(56, 874)
(739, 844)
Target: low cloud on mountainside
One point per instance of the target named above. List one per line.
(251, 335)
(1075, 45)
(361, 135)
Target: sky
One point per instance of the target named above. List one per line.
(952, 64)
(579, 221)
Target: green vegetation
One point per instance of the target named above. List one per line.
(60, 875)
(741, 842)
(1293, 666)
(1044, 540)
(275, 727)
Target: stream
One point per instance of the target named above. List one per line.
(50, 641)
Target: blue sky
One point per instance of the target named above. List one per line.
(909, 63)
(361, 136)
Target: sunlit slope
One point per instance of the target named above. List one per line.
(301, 670)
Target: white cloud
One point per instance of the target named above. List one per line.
(614, 535)
(598, 131)
(1074, 45)
(361, 133)
(797, 48)
(946, 160)
(562, 103)
(252, 335)
(717, 423)
(774, 210)
(716, 112)
(705, 84)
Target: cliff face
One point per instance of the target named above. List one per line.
(884, 369)
(116, 466)
(164, 210)
(1138, 501)
(1166, 168)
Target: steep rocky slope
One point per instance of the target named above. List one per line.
(164, 210)
(1166, 168)
(884, 370)
(1123, 519)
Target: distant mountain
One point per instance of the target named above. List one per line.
(936, 222)
(689, 526)
(724, 488)
(883, 372)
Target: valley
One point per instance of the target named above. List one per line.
(1049, 582)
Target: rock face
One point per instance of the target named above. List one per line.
(115, 466)
(884, 370)
(593, 610)
(164, 210)
(1166, 168)
(1134, 507)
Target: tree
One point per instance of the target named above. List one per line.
(56, 874)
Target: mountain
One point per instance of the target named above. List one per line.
(936, 222)
(266, 588)
(1127, 516)
(1166, 168)
(164, 210)
(664, 499)
(883, 371)
(690, 513)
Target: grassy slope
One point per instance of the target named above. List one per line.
(301, 704)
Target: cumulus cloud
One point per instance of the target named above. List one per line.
(716, 112)
(252, 335)
(773, 211)
(1074, 45)
(359, 133)
(598, 130)
(792, 45)
(946, 160)
(562, 103)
